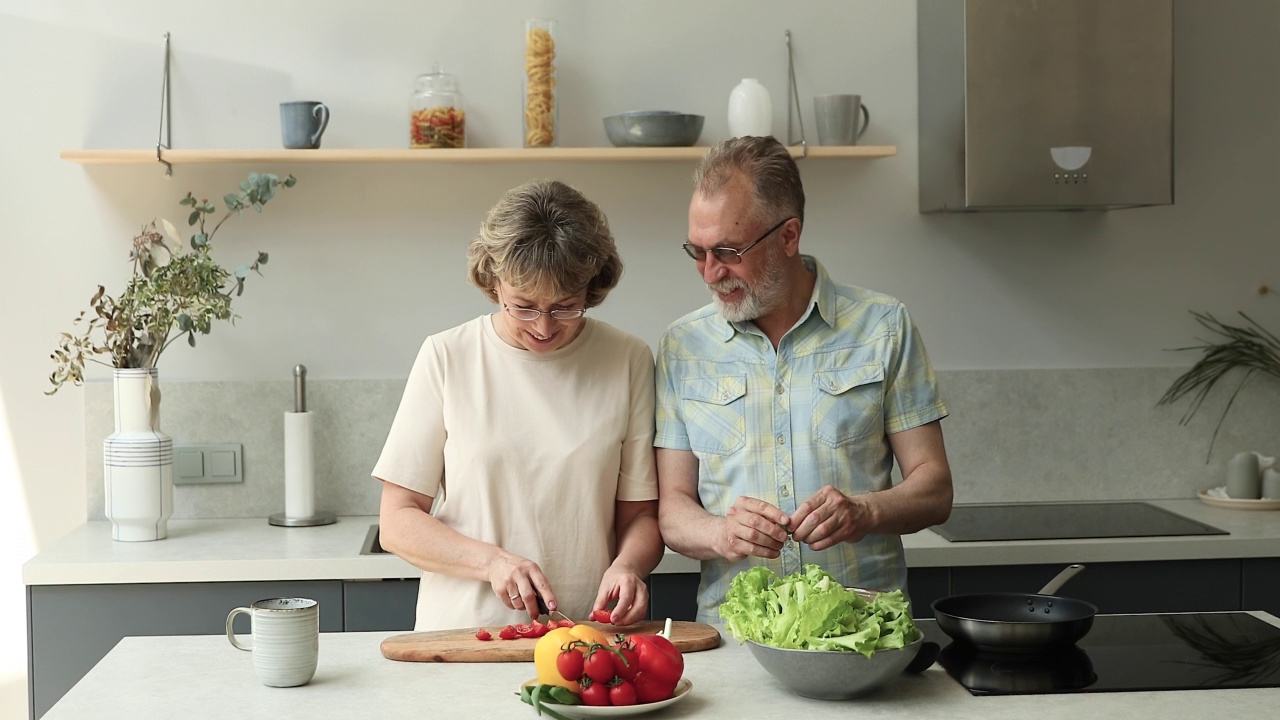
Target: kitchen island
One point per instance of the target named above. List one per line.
(196, 677)
(85, 592)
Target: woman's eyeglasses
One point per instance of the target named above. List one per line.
(530, 314)
(727, 255)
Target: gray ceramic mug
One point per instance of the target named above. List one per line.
(285, 639)
(302, 123)
(837, 117)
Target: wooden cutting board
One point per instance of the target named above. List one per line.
(461, 645)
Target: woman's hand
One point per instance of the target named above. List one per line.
(624, 584)
(518, 582)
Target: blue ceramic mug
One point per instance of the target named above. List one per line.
(302, 123)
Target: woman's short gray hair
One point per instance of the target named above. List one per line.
(546, 239)
(767, 165)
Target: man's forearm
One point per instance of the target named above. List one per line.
(689, 529)
(921, 500)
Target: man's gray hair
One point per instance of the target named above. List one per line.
(767, 165)
(546, 239)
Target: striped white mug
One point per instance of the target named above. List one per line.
(285, 639)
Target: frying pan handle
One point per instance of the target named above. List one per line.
(1061, 578)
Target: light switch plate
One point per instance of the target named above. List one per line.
(203, 464)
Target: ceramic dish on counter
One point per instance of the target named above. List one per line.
(608, 711)
(1217, 497)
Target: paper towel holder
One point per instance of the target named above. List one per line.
(300, 464)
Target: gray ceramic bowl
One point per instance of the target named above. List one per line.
(832, 674)
(656, 128)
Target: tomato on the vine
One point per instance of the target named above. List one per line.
(624, 693)
(595, 693)
(599, 665)
(626, 662)
(570, 664)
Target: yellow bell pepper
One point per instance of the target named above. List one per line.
(552, 644)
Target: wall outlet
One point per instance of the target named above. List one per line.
(203, 464)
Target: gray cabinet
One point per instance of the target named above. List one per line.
(389, 605)
(1260, 585)
(71, 627)
(1127, 587)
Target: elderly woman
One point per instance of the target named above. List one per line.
(520, 463)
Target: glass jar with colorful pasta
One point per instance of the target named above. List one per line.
(540, 109)
(436, 116)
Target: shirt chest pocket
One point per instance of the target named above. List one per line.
(848, 403)
(715, 409)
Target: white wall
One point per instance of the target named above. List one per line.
(366, 260)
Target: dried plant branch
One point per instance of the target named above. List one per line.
(1249, 347)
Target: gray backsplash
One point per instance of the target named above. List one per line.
(1013, 435)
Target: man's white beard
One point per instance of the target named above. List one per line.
(760, 299)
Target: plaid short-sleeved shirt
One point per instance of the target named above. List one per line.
(778, 426)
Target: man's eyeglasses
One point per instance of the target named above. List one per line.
(727, 255)
(530, 314)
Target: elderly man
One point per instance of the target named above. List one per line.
(782, 405)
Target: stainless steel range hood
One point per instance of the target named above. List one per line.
(1045, 104)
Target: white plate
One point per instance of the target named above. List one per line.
(591, 711)
(1238, 503)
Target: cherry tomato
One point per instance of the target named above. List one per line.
(626, 663)
(602, 616)
(599, 665)
(624, 693)
(525, 630)
(569, 663)
(563, 623)
(537, 629)
(508, 633)
(483, 634)
(595, 694)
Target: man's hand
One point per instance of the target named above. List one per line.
(830, 517)
(752, 528)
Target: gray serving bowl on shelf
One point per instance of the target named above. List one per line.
(653, 128)
(834, 674)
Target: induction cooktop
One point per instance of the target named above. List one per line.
(1121, 653)
(1057, 521)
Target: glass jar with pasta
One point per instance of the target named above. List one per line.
(540, 108)
(436, 116)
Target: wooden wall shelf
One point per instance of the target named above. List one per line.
(464, 155)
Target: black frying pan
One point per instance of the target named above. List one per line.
(1017, 622)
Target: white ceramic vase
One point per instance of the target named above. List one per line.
(750, 111)
(138, 460)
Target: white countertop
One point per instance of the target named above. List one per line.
(196, 677)
(229, 550)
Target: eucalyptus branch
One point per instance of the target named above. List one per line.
(171, 294)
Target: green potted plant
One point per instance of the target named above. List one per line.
(175, 292)
(1248, 346)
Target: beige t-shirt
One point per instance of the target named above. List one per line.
(528, 452)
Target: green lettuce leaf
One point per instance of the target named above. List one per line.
(811, 610)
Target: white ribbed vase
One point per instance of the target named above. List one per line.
(138, 460)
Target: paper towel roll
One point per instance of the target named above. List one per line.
(299, 466)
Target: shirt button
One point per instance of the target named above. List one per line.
(782, 440)
(724, 394)
(786, 491)
(831, 385)
(781, 389)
